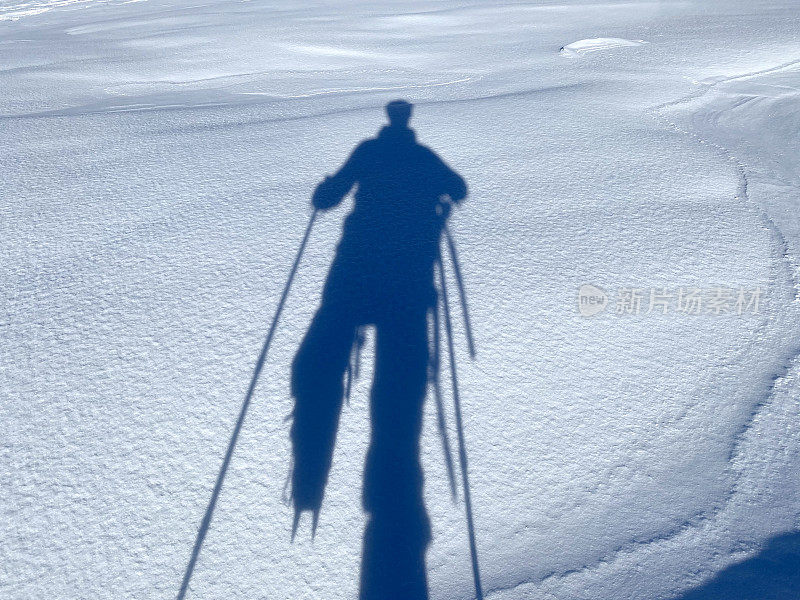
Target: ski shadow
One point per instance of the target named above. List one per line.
(382, 276)
(772, 574)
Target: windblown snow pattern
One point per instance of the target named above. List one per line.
(157, 162)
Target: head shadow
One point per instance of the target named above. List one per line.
(382, 276)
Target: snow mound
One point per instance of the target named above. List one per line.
(582, 47)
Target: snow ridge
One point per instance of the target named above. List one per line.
(787, 373)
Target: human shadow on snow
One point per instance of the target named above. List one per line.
(382, 276)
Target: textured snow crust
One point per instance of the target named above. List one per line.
(157, 160)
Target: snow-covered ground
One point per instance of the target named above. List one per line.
(156, 161)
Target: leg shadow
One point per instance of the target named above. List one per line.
(398, 530)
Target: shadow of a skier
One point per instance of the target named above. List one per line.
(382, 276)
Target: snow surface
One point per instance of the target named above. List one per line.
(582, 47)
(157, 160)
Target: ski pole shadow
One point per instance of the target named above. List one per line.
(382, 276)
(772, 574)
(212, 503)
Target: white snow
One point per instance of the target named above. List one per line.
(13, 10)
(157, 160)
(582, 47)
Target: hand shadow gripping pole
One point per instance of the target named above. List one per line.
(462, 450)
(206, 522)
